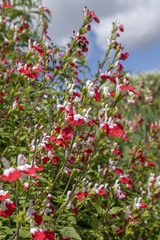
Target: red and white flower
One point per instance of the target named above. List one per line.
(9, 174)
(4, 195)
(7, 207)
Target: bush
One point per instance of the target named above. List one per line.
(79, 158)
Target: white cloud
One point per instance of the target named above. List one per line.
(141, 26)
(141, 20)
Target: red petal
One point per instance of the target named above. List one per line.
(12, 176)
(3, 197)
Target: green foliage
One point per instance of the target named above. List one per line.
(70, 232)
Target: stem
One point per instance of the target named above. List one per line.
(61, 168)
(17, 238)
(17, 211)
(101, 65)
(70, 177)
(15, 234)
(32, 167)
(74, 188)
(66, 186)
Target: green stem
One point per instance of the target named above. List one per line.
(14, 235)
(17, 212)
(74, 188)
(61, 168)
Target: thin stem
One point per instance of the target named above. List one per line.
(17, 211)
(61, 168)
(15, 234)
(74, 188)
(17, 238)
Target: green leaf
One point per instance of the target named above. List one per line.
(2, 237)
(6, 230)
(115, 210)
(23, 137)
(23, 233)
(94, 222)
(23, 149)
(70, 232)
(55, 83)
(72, 219)
(46, 218)
(98, 207)
(100, 237)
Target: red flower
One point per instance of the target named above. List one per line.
(55, 160)
(59, 141)
(7, 5)
(43, 235)
(127, 180)
(45, 159)
(26, 169)
(120, 67)
(4, 195)
(38, 49)
(6, 213)
(44, 8)
(93, 15)
(150, 164)
(102, 192)
(88, 151)
(119, 230)
(48, 146)
(106, 128)
(96, 19)
(79, 53)
(38, 218)
(67, 170)
(74, 209)
(72, 159)
(90, 13)
(77, 122)
(121, 28)
(67, 132)
(91, 122)
(85, 49)
(104, 76)
(117, 152)
(130, 88)
(126, 138)
(116, 130)
(20, 107)
(28, 73)
(26, 186)
(152, 126)
(118, 171)
(140, 121)
(79, 195)
(124, 56)
(143, 205)
(7, 208)
(112, 94)
(10, 175)
(121, 195)
(97, 95)
(117, 116)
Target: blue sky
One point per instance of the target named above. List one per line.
(140, 18)
(144, 59)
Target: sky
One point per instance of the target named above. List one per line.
(141, 36)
